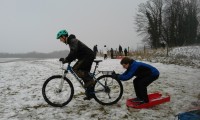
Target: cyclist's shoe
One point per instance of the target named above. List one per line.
(89, 83)
(87, 98)
(89, 93)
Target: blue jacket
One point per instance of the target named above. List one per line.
(138, 69)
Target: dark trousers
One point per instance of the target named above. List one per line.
(82, 68)
(105, 56)
(112, 56)
(125, 54)
(95, 55)
(140, 85)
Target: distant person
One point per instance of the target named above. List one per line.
(85, 57)
(128, 49)
(120, 50)
(162, 45)
(95, 49)
(112, 53)
(105, 52)
(125, 52)
(145, 74)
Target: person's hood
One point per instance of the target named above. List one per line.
(69, 39)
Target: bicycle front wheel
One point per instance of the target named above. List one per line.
(55, 94)
(107, 90)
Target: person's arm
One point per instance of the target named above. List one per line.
(129, 73)
(73, 51)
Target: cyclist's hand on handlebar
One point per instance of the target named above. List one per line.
(62, 60)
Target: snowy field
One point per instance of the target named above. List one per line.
(6, 60)
(192, 52)
(21, 98)
(3, 60)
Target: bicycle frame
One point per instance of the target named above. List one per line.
(69, 68)
(106, 89)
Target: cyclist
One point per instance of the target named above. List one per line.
(145, 75)
(85, 56)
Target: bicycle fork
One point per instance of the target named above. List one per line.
(62, 81)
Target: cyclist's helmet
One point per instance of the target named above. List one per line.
(62, 33)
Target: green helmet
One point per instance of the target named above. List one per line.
(62, 33)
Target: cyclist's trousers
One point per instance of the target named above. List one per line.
(82, 68)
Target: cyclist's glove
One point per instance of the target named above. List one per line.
(63, 60)
(115, 76)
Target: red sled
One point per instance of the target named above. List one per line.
(119, 57)
(154, 99)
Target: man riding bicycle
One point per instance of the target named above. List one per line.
(85, 56)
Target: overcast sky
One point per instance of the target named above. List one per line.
(32, 25)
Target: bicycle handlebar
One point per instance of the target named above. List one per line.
(62, 65)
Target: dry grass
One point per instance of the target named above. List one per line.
(148, 54)
(160, 55)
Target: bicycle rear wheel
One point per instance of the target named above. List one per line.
(55, 96)
(107, 90)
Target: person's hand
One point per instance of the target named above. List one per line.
(114, 75)
(62, 60)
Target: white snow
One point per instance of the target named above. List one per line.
(2, 60)
(192, 52)
(21, 97)
(184, 56)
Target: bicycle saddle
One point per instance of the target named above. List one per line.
(97, 61)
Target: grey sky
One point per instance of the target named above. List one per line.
(32, 25)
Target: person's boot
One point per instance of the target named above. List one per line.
(137, 100)
(87, 98)
(89, 92)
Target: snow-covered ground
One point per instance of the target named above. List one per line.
(192, 52)
(183, 56)
(21, 98)
(6, 60)
(3, 60)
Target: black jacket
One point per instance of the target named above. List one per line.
(78, 50)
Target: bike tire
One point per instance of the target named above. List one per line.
(118, 97)
(51, 102)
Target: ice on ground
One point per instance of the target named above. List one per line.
(21, 93)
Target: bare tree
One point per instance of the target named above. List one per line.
(180, 22)
(176, 22)
(149, 21)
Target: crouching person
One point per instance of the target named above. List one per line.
(145, 74)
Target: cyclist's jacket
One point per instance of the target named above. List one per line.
(78, 50)
(140, 70)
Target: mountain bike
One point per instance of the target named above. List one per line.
(58, 90)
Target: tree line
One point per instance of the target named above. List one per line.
(172, 22)
(56, 54)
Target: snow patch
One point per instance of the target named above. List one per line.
(21, 97)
